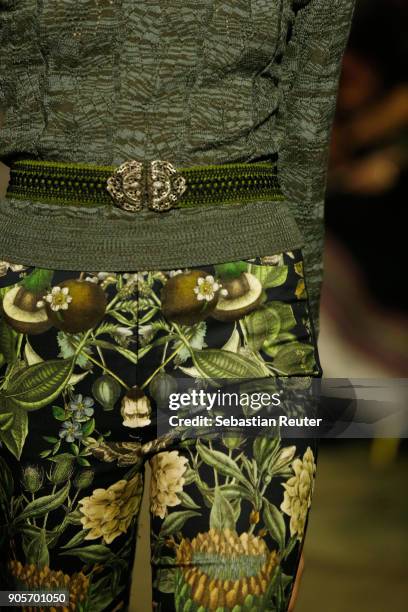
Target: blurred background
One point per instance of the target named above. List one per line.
(365, 301)
(357, 543)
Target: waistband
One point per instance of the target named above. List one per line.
(47, 225)
(138, 185)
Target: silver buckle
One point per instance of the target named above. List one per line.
(157, 183)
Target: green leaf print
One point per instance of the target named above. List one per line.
(187, 501)
(285, 313)
(36, 550)
(231, 269)
(128, 354)
(45, 504)
(59, 413)
(6, 491)
(294, 358)
(78, 538)
(88, 427)
(74, 518)
(6, 420)
(166, 579)
(14, 437)
(175, 521)
(96, 553)
(263, 324)
(39, 384)
(217, 363)
(235, 491)
(291, 545)
(275, 523)
(269, 276)
(8, 342)
(264, 447)
(221, 463)
(38, 280)
(100, 595)
(221, 515)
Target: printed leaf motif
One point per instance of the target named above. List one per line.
(39, 384)
(263, 324)
(285, 313)
(216, 363)
(8, 338)
(6, 420)
(36, 550)
(175, 521)
(59, 413)
(284, 337)
(96, 553)
(300, 291)
(222, 514)
(74, 379)
(43, 505)
(121, 318)
(38, 280)
(187, 501)
(236, 508)
(14, 437)
(264, 447)
(74, 518)
(6, 481)
(166, 579)
(68, 343)
(233, 492)
(275, 523)
(190, 371)
(88, 427)
(189, 476)
(294, 357)
(30, 355)
(233, 342)
(221, 462)
(78, 538)
(299, 268)
(130, 355)
(231, 269)
(270, 276)
(291, 545)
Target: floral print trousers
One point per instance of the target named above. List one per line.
(86, 357)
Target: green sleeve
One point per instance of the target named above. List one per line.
(310, 73)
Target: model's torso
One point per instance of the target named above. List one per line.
(100, 81)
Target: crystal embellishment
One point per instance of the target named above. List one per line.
(126, 186)
(156, 185)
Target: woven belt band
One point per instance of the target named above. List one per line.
(86, 184)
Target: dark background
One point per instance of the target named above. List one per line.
(357, 543)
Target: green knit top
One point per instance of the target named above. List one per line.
(194, 83)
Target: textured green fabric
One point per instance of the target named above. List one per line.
(86, 184)
(190, 82)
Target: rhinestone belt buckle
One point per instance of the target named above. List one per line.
(156, 183)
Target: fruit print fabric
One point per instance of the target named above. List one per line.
(86, 358)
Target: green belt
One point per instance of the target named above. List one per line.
(140, 185)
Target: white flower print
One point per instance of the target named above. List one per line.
(207, 287)
(59, 299)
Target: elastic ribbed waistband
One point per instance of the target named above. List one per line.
(139, 184)
(36, 234)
